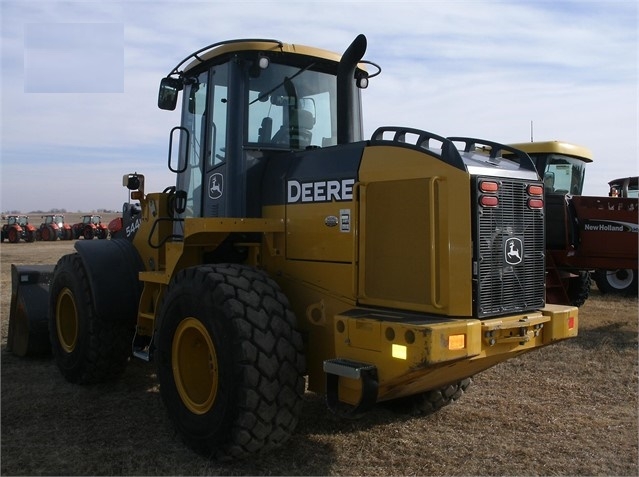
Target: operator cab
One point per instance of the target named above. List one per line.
(245, 101)
(562, 166)
(624, 187)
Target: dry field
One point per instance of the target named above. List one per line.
(569, 409)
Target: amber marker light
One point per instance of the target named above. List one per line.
(399, 351)
(456, 342)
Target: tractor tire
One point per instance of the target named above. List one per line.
(88, 233)
(67, 234)
(622, 281)
(230, 361)
(579, 289)
(429, 402)
(29, 236)
(88, 347)
(14, 237)
(45, 233)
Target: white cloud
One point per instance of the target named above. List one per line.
(475, 68)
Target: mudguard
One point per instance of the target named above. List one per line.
(112, 268)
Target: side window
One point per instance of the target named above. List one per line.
(194, 119)
(563, 175)
(219, 104)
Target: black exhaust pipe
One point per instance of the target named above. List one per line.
(345, 80)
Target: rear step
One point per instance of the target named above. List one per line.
(334, 368)
(28, 316)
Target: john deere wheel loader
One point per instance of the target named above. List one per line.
(388, 268)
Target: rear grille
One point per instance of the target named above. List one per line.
(504, 235)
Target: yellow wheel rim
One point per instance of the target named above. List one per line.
(66, 320)
(195, 366)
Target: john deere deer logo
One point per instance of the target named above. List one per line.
(513, 251)
(216, 183)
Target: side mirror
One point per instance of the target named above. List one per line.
(167, 96)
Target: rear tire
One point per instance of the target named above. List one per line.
(88, 233)
(88, 348)
(622, 281)
(430, 402)
(230, 360)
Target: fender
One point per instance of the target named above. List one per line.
(112, 268)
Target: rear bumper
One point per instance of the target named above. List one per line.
(414, 353)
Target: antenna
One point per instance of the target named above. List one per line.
(531, 131)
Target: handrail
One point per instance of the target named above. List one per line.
(194, 55)
(472, 144)
(422, 139)
(168, 237)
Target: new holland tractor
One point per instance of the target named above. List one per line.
(586, 236)
(293, 249)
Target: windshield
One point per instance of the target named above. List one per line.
(292, 108)
(564, 175)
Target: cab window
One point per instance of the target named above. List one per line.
(295, 113)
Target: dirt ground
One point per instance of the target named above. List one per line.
(568, 409)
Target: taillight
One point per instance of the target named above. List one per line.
(534, 189)
(535, 203)
(537, 193)
(488, 201)
(488, 186)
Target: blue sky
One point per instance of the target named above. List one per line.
(79, 80)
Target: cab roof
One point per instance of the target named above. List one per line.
(555, 147)
(228, 46)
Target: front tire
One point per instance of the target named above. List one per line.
(14, 236)
(429, 402)
(230, 360)
(88, 347)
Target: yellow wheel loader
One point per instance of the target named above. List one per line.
(292, 249)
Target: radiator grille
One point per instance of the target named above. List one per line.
(503, 235)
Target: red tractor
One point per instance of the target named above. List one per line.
(17, 228)
(53, 228)
(90, 227)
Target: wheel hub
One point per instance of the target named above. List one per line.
(66, 320)
(195, 366)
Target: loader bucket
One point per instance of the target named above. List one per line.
(28, 322)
